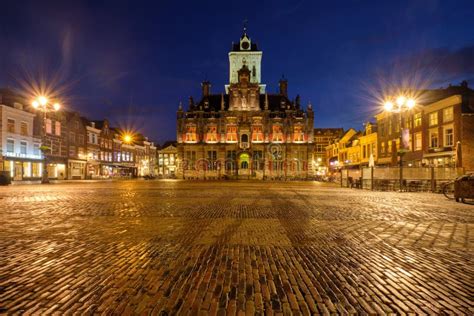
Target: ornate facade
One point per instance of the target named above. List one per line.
(245, 132)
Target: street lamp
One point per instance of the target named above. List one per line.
(404, 104)
(44, 105)
(127, 138)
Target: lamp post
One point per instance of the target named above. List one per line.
(403, 104)
(42, 104)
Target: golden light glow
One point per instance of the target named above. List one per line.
(411, 103)
(35, 104)
(127, 138)
(401, 100)
(42, 100)
(56, 106)
(388, 106)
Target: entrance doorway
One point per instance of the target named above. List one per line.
(244, 160)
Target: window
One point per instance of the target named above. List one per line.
(298, 134)
(72, 137)
(23, 146)
(24, 128)
(11, 125)
(448, 137)
(244, 138)
(364, 153)
(10, 145)
(190, 159)
(277, 135)
(417, 119)
(389, 147)
(410, 142)
(80, 139)
(94, 138)
(418, 141)
(433, 118)
(36, 149)
(57, 128)
(319, 148)
(390, 126)
(212, 158)
(257, 162)
(72, 151)
(231, 134)
(433, 139)
(191, 134)
(382, 129)
(211, 135)
(448, 114)
(257, 134)
(48, 126)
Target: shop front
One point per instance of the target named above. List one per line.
(76, 169)
(22, 168)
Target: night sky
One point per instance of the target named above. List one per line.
(133, 62)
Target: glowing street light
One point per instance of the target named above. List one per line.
(404, 104)
(41, 103)
(127, 138)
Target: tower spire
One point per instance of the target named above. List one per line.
(245, 26)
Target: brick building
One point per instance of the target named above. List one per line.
(442, 118)
(245, 132)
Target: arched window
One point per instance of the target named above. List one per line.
(244, 165)
(244, 138)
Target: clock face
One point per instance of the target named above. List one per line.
(245, 45)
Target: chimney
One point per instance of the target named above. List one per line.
(206, 88)
(283, 84)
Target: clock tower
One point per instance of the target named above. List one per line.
(245, 53)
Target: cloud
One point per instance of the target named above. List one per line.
(440, 65)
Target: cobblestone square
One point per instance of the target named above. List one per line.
(227, 248)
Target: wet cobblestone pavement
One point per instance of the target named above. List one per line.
(229, 248)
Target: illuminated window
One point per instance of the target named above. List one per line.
(231, 134)
(389, 147)
(191, 134)
(211, 135)
(433, 138)
(48, 126)
(448, 114)
(448, 137)
(298, 134)
(277, 135)
(418, 141)
(417, 119)
(433, 118)
(257, 134)
(24, 128)
(57, 128)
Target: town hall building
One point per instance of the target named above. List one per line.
(245, 132)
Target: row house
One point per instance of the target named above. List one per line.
(167, 160)
(440, 130)
(20, 153)
(72, 146)
(353, 149)
(323, 137)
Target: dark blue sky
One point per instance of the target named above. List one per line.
(134, 61)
